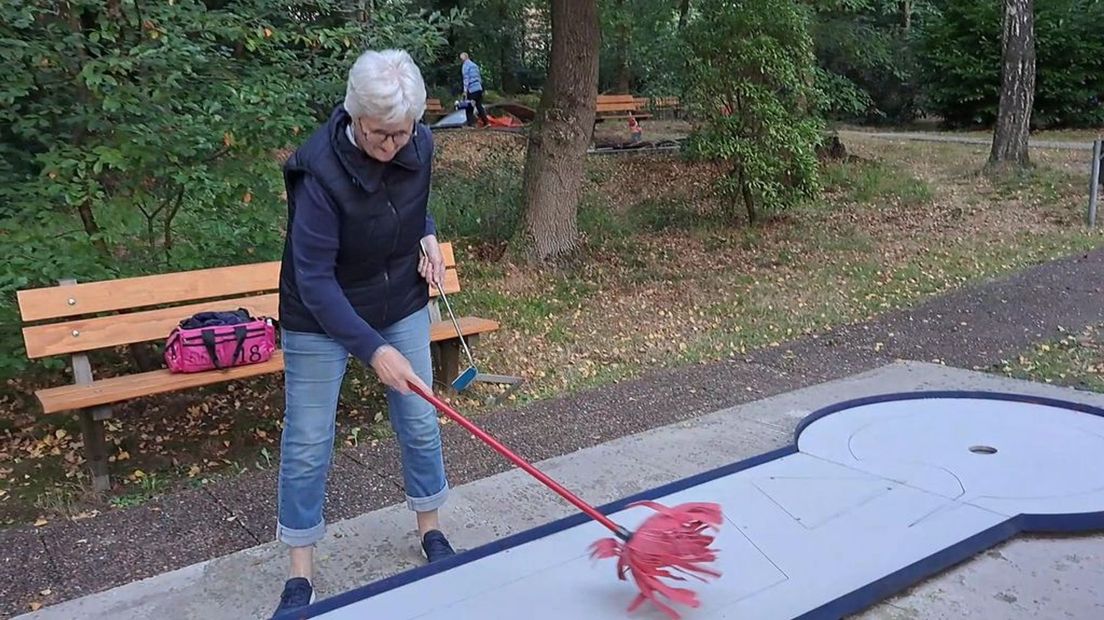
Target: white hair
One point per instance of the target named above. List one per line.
(386, 86)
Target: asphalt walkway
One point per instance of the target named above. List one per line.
(975, 327)
(1024, 578)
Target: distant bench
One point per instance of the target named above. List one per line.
(618, 106)
(434, 110)
(657, 104)
(75, 319)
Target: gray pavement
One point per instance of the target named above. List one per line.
(948, 137)
(972, 327)
(1025, 578)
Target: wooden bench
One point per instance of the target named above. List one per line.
(75, 319)
(666, 104)
(434, 110)
(661, 103)
(618, 106)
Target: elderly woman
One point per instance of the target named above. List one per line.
(359, 257)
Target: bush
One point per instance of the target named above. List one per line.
(960, 60)
(751, 82)
(483, 208)
(866, 68)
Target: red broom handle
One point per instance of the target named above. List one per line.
(536, 473)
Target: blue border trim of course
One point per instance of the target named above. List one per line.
(849, 603)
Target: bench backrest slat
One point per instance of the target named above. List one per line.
(121, 329)
(125, 293)
(135, 321)
(55, 302)
(616, 99)
(616, 103)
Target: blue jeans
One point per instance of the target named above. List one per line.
(314, 367)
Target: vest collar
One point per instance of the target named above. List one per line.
(367, 171)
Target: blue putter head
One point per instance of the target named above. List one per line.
(464, 379)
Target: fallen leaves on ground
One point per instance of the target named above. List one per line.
(899, 223)
(1075, 360)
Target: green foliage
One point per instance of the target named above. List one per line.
(865, 58)
(640, 47)
(751, 82)
(960, 59)
(141, 137)
(841, 97)
(481, 208)
(960, 51)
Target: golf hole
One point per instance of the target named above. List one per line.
(983, 449)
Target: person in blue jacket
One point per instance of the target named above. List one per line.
(354, 281)
(473, 89)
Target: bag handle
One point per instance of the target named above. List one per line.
(240, 333)
(209, 343)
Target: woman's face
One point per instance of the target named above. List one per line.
(380, 140)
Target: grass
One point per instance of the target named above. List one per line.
(690, 288)
(1075, 360)
(873, 182)
(662, 279)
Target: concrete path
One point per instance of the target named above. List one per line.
(1026, 578)
(949, 137)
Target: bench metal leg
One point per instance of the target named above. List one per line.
(448, 362)
(95, 447)
(447, 367)
(92, 426)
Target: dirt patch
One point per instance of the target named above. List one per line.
(630, 181)
(471, 150)
(654, 129)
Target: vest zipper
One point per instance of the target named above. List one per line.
(394, 244)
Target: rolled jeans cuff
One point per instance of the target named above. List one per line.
(427, 504)
(300, 538)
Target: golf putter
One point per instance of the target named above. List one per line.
(464, 379)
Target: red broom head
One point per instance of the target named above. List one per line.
(671, 543)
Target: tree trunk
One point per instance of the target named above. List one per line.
(748, 197)
(556, 155)
(1017, 86)
(624, 76)
(684, 9)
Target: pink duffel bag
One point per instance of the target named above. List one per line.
(219, 340)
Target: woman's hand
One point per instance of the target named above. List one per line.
(394, 370)
(432, 263)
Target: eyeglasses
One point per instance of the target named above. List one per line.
(378, 136)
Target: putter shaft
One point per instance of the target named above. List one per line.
(455, 323)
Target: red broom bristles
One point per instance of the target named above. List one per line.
(674, 541)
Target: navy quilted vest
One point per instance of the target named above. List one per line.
(382, 218)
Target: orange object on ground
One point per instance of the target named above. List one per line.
(502, 121)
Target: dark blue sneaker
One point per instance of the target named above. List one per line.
(298, 593)
(436, 547)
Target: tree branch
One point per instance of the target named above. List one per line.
(167, 230)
